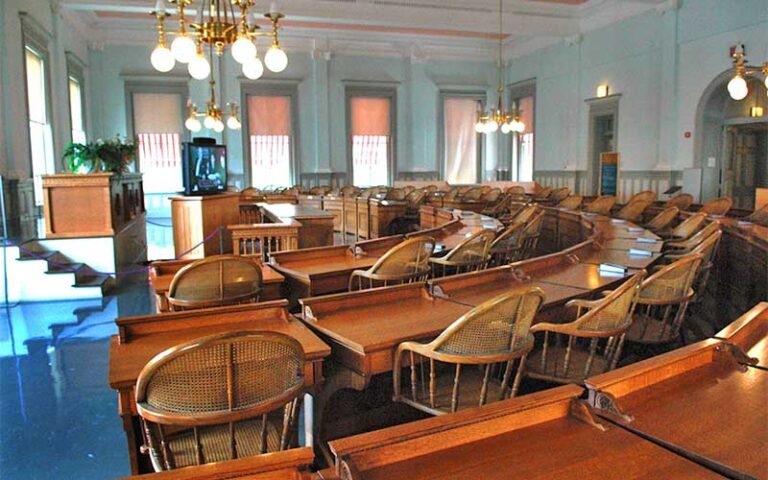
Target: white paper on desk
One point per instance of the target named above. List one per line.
(639, 252)
(745, 224)
(646, 240)
(612, 268)
(635, 229)
(618, 220)
(606, 273)
(439, 247)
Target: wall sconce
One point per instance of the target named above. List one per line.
(602, 90)
(756, 112)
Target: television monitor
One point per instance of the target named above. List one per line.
(204, 166)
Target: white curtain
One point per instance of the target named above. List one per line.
(157, 120)
(460, 140)
(269, 129)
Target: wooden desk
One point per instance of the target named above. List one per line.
(141, 338)
(197, 217)
(286, 465)
(316, 228)
(537, 436)
(161, 274)
(700, 398)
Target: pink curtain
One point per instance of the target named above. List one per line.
(370, 116)
(370, 140)
(269, 128)
(269, 115)
(526, 108)
(460, 140)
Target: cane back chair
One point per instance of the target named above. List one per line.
(396, 194)
(495, 332)
(492, 195)
(601, 205)
(406, 262)
(718, 206)
(560, 194)
(408, 189)
(685, 229)
(473, 194)
(508, 246)
(516, 192)
(543, 194)
(605, 321)
(571, 202)
(663, 300)
(663, 219)
(216, 281)
(526, 214)
(531, 235)
(647, 196)
(221, 397)
(684, 247)
(682, 201)
(321, 190)
(707, 248)
(471, 254)
(415, 199)
(349, 190)
(633, 211)
(759, 216)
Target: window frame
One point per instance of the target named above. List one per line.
(518, 91)
(388, 91)
(76, 71)
(480, 96)
(288, 89)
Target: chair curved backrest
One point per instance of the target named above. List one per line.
(687, 245)
(396, 194)
(508, 245)
(759, 216)
(663, 301)
(452, 193)
(473, 194)
(601, 205)
(647, 196)
(408, 189)
(718, 206)
(492, 195)
(471, 254)
(526, 214)
(349, 190)
(633, 211)
(415, 199)
(215, 281)
(201, 401)
(496, 331)
(321, 190)
(431, 188)
(531, 234)
(690, 226)
(663, 219)
(559, 194)
(406, 262)
(682, 201)
(515, 190)
(571, 202)
(543, 193)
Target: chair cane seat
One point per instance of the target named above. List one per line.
(216, 442)
(553, 370)
(650, 331)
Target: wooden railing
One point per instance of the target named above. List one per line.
(264, 238)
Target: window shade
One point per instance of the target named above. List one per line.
(370, 116)
(157, 113)
(269, 115)
(526, 113)
(35, 87)
(460, 140)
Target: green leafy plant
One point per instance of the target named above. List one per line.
(79, 158)
(113, 155)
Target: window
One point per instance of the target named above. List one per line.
(461, 143)
(522, 144)
(157, 123)
(269, 140)
(76, 110)
(40, 131)
(370, 132)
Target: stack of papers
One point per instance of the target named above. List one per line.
(635, 229)
(745, 224)
(618, 220)
(639, 252)
(646, 240)
(612, 269)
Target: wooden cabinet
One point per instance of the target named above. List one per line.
(197, 218)
(92, 205)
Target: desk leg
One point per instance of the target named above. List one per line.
(339, 378)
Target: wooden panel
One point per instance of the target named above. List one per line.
(195, 218)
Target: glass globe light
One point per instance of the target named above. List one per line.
(209, 122)
(233, 123)
(162, 59)
(276, 59)
(506, 128)
(479, 127)
(766, 80)
(218, 127)
(493, 126)
(199, 67)
(253, 68)
(243, 50)
(183, 48)
(737, 87)
(193, 124)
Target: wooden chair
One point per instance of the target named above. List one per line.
(601, 205)
(662, 303)
(431, 189)
(408, 189)
(508, 246)
(647, 196)
(759, 216)
(415, 199)
(396, 194)
(707, 248)
(571, 202)
(633, 211)
(496, 331)
(663, 219)
(470, 255)
(559, 194)
(682, 201)
(718, 206)
(452, 194)
(684, 247)
(215, 281)
(531, 235)
(576, 352)
(497, 208)
(526, 214)
(221, 397)
(321, 190)
(473, 195)
(542, 194)
(686, 229)
(492, 195)
(515, 190)
(349, 190)
(404, 263)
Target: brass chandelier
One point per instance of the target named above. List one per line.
(737, 87)
(494, 119)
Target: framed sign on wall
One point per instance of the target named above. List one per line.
(608, 180)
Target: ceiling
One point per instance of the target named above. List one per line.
(421, 29)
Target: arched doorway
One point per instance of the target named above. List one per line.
(731, 144)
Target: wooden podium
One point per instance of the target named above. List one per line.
(195, 218)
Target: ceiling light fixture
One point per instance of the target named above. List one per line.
(737, 87)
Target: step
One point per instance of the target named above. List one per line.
(31, 256)
(58, 268)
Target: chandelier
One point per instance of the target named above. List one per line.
(494, 119)
(217, 27)
(737, 87)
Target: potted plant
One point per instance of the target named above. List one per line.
(79, 158)
(113, 155)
